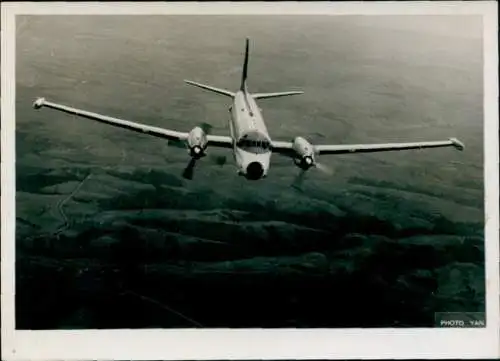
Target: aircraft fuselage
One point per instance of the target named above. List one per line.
(252, 144)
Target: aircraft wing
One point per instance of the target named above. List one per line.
(172, 135)
(286, 148)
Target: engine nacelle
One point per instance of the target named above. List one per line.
(197, 142)
(304, 153)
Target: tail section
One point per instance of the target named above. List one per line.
(211, 88)
(275, 95)
(243, 85)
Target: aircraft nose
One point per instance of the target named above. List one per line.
(255, 170)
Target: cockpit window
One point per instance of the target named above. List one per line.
(253, 145)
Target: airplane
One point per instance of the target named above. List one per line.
(249, 139)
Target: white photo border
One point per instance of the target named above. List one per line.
(175, 344)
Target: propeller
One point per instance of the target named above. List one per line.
(323, 168)
(299, 179)
(188, 172)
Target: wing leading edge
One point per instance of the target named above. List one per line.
(172, 135)
(286, 148)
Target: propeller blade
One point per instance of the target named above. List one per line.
(299, 179)
(189, 170)
(323, 168)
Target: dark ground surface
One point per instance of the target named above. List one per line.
(110, 236)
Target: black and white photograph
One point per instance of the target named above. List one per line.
(249, 170)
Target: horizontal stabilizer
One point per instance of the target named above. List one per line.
(275, 95)
(211, 88)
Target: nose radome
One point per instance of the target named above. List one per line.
(255, 170)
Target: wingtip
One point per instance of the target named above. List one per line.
(191, 82)
(38, 103)
(457, 144)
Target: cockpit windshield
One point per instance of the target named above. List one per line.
(254, 145)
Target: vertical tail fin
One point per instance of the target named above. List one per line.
(245, 66)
